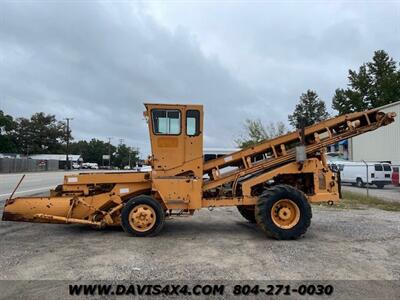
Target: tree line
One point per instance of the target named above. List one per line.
(44, 134)
(376, 83)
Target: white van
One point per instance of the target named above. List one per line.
(94, 166)
(360, 174)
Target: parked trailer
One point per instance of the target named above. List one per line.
(271, 183)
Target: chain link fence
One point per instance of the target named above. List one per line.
(378, 179)
(17, 165)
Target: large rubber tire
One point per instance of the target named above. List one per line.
(142, 200)
(247, 212)
(380, 186)
(264, 207)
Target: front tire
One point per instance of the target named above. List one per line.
(283, 212)
(142, 216)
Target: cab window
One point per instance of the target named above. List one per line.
(166, 121)
(192, 122)
(378, 168)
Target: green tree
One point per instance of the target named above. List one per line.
(7, 137)
(92, 151)
(256, 132)
(375, 84)
(78, 147)
(125, 156)
(310, 110)
(40, 134)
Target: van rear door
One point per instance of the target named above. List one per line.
(378, 174)
(387, 170)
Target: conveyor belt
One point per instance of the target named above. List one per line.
(281, 150)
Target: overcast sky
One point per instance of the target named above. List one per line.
(99, 61)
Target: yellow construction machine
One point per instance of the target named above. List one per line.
(271, 183)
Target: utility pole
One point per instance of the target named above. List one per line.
(129, 159)
(137, 155)
(109, 152)
(118, 154)
(67, 166)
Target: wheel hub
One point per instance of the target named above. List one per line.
(285, 213)
(142, 218)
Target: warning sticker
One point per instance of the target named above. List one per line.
(72, 179)
(123, 190)
(228, 158)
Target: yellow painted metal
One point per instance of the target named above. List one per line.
(173, 155)
(105, 178)
(142, 217)
(181, 190)
(312, 166)
(285, 214)
(339, 128)
(57, 219)
(25, 208)
(228, 201)
(182, 181)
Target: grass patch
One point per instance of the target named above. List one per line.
(359, 201)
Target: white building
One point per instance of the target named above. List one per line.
(382, 144)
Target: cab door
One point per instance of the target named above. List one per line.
(194, 135)
(167, 136)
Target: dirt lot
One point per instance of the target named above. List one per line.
(340, 244)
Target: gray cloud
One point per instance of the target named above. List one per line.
(98, 62)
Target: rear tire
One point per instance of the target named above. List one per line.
(360, 183)
(142, 216)
(283, 212)
(380, 186)
(247, 212)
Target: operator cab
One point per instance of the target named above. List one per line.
(176, 135)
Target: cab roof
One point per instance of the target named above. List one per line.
(171, 105)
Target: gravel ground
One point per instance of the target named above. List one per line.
(340, 244)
